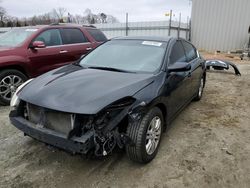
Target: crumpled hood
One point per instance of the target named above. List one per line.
(84, 91)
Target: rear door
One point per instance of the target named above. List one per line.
(75, 43)
(196, 69)
(50, 57)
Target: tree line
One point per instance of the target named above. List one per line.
(56, 15)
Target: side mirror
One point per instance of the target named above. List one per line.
(38, 44)
(179, 67)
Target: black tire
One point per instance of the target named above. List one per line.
(138, 131)
(200, 89)
(5, 75)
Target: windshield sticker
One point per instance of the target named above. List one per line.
(152, 43)
(31, 30)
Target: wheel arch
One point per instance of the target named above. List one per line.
(204, 77)
(163, 109)
(15, 67)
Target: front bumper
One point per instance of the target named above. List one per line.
(75, 144)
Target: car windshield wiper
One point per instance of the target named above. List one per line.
(111, 69)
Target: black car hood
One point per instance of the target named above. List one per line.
(85, 91)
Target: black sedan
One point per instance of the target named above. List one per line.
(123, 94)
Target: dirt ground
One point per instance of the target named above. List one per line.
(207, 146)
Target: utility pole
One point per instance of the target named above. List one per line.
(187, 29)
(179, 27)
(170, 20)
(126, 24)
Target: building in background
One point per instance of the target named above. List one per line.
(220, 24)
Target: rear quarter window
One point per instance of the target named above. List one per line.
(97, 35)
(73, 36)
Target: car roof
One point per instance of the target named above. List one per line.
(148, 38)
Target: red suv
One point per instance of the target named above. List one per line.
(30, 51)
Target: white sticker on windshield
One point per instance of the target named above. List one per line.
(31, 30)
(152, 43)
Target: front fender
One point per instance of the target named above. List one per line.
(149, 97)
(14, 61)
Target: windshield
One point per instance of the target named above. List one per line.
(127, 55)
(15, 37)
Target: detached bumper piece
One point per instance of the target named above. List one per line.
(221, 65)
(74, 145)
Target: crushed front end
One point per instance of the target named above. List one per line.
(77, 133)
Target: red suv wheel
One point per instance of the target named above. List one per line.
(10, 80)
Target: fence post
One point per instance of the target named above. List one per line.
(190, 28)
(170, 20)
(179, 27)
(126, 24)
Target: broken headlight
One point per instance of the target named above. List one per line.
(112, 111)
(15, 99)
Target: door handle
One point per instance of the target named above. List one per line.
(88, 49)
(63, 51)
(189, 74)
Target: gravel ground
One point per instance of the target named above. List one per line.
(207, 146)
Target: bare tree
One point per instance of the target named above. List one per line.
(46, 18)
(55, 16)
(111, 19)
(59, 13)
(2, 16)
(79, 19)
(92, 18)
(103, 17)
(34, 20)
(2, 13)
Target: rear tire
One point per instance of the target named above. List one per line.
(10, 80)
(146, 136)
(200, 89)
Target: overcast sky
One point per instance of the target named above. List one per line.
(139, 10)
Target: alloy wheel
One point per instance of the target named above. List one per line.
(9, 85)
(201, 87)
(153, 135)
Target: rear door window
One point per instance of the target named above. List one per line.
(97, 35)
(73, 36)
(50, 37)
(177, 53)
(190, 51)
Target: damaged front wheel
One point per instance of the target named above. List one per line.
(146, 136)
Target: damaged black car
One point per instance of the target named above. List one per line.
(123, 94)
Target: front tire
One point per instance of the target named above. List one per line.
(146, 136)
(10, 80)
